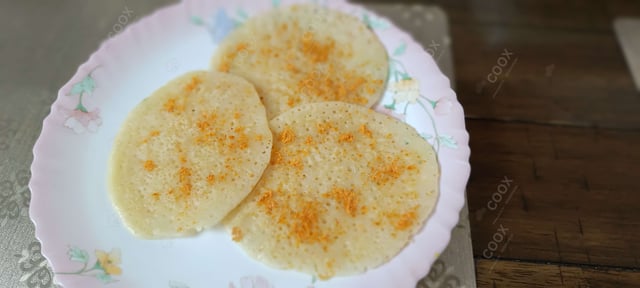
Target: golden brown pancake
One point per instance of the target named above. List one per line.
(345, 191)
(188, 154)
(303, 54)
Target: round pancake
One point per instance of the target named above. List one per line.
(306, 53)
(345, 191)
(188, 154)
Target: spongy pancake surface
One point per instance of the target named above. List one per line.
(188, 154)
(306, 53)
(346, 189)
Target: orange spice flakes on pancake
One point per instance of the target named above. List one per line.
(332, 204)
(188, 154)
(294, 56)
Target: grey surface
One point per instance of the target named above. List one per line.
(428, 25)
(41, 45)
(628, 33)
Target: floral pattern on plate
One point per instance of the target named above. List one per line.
(80, 119)
(105, 267)
(406, 90)
(417, 93)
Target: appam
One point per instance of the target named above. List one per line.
(306, 53)
(346, 189)
(188, 154)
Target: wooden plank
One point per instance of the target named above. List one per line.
(576, 200)
(558, 77)
(504, 273)
(575, 15)
(622, 8)
(545, 13)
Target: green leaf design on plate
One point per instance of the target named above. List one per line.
(276, 3)
(405, 76)
(78, 255)
(87, 85)
(242, 14)
(426, 136)
(431, 102)
(367, 20)
(391, 106)
(448, 141)
(104, 278)
(196, 20)
(400, 50)
(373, 23)
(97, 266)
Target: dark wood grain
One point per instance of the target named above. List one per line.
(540, 13)
(574, 15)
(576, 200)
(559, 77)
(570, 68)
(507, 274)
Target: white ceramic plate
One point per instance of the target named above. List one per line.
(82, 235)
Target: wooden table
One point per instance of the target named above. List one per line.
(554, 129)
(559, 129)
